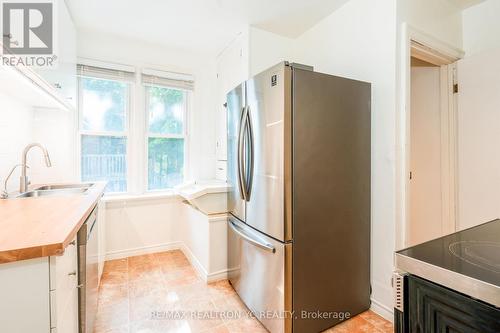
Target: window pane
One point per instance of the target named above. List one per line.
(166, 110)
(165, 163)
(104, 104)
(105, 158)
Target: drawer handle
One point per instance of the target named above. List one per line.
(73, 242)
(72, 273)
(80, 286)
(259, 243)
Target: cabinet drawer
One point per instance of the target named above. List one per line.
(63, 284)
(67, 318)
(64, 269)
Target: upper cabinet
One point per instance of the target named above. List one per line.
(47, 87)
(251, 52)
(63, 76)
(232, 69)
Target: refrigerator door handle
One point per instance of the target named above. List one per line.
(249, 238)
(240, 157)
(249, 173)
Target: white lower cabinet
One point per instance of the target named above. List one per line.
(40, 295)
(64, 290)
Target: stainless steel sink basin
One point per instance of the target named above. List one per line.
(42, 193)
(64, 187)
(54, 190)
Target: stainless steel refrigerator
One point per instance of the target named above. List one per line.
(299, 170)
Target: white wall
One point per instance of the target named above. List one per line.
(16, 125)
(267, 49)
(358, 41)
(115, 49)
(438, 18)
(478, 128)
(140, 226)
(55, 130)
(481, 27)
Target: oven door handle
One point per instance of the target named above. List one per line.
(251, 239)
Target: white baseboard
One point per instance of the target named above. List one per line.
(216, 276)
(120, 254)
(382, 310)
(202, 272)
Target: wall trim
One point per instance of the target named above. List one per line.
(202, 272)
(409, 34)
(137, 251)
(216, 276)
(382, 310)
(218, 217)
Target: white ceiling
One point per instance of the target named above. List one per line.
(205, 25)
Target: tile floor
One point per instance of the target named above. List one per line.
(138, 293)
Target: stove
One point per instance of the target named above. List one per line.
(467, 261)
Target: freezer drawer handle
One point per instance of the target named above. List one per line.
(250, 239)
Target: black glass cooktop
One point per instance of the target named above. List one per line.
(473, 252)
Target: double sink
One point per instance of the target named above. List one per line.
(52, 190)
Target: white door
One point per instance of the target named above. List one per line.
(425, 155)
(478, 139)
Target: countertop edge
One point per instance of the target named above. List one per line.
(467, 285)
(58, 248)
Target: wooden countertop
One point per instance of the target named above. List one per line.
(43, 226)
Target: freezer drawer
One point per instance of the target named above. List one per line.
(258, 267)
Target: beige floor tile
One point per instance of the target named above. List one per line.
(162, 293)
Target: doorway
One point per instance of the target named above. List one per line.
(431, 145)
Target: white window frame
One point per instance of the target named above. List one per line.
(137, 123)
(147, 135)
(125, 133)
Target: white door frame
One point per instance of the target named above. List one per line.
(440, 53)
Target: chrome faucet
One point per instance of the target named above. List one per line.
(24, 182)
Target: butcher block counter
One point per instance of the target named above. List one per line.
(43, 226)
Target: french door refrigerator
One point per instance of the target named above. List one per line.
(299, 172)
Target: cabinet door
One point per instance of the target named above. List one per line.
(24, 296)
(63, 76)
(222, 133)
(232, 69)
(64, 291)
(435, 309)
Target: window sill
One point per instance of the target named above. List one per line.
(145, 198)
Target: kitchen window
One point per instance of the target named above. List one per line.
(104, 103)
(133, 128)
(167, 102)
